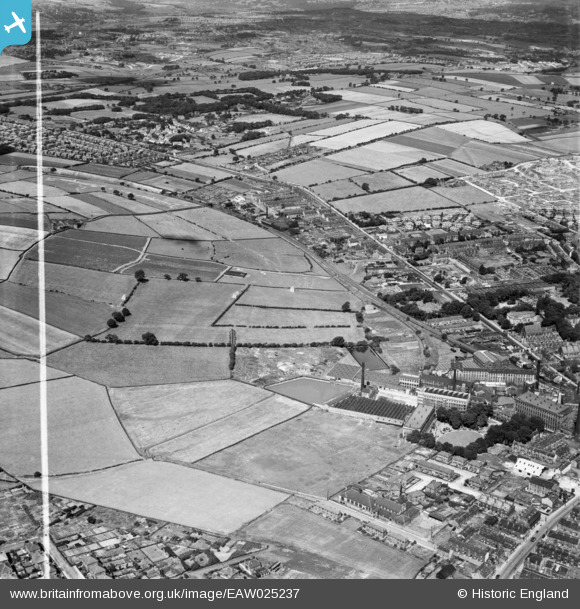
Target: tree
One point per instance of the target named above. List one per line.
(182, 277)
(118, 316)
(337, 341)
(131, 196)
(198, 279)
(346, 307)
(125, 311)
(166, 276)
(365, 186)
(140, 275)
(112, 338)
(111, 323)
(150, 338)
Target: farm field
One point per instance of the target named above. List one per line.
(65, 312)
(159, 266)
(83, 431)
(296, 299)
(23, 371)
(345, 128)
(338, 190)
(109, 171)
(317, 171)
(192, 170)
(296, 335)
(171, 226)
(82, 283)
(20, 334)
(107, 207)
(420, 173)
(381, 156)
(453, 168)
(402, 200)
(259, 317)
(129, 365)
(465, 194)
(127, 225)
(171, 183)
(479, 154)
(229, 430)
(224, 225)
(195, 250)
(76, 206)
(155, 414)
(132, 206)
(280, 280)
(318, 452)
(362, 136)
(263, 254)
(486, 131)
(18, 238)
(8, 260)
(173, 311)
(78, 248)
(298, 528)
(382, 180)
(182, 495)
(29, 188)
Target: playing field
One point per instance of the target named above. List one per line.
(280, 280)
(310, 390)
(318, 171)
(66, 312)
(263, 318)
(222, 225)
(83, 431)
(296, 298)
(263, 254)
(156, 414)
(18, 238)
(83, 283)
(23, 371)
(402, 200)
(317, 452)
(130, 365)
(229, 430)
(173, 493)
(298, 528)
(173, 311)
(20, 334)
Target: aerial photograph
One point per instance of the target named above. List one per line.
(290, 289)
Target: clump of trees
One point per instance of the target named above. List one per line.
(149, 338)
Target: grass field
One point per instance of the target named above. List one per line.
(182, 495)
(8, 260)
(159, 266)
(82, 283)
(465, 194)
(317, 452)
(195, 250)
(107, 207)
(81, 249)
(17, 238)
(367, 134)
(109, 171)
(298, 528)
(310, 390)
(29, 188)
(382, 180)
(420, 173)
(129, 365)
(281, 280)
(461, 437)
(20, 334)
(83, 431)
(260, 317)
(297, 335)
(139, 205)
(263, 254)
(229, 430)
(173, 311)
(77, 206)
(170, 226)
(479, 154)
(296, 299)
(338, 189)
(23, 371)
(345, 128)
(65, 312)
(153, 415)
(127, 225)
(381, 156)
(452, 168)
(487, 131)
(171, 183)
(317, 171)
(224, 225)
(403, 200)
(191, 170)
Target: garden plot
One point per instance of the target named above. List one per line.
(403, 200)
(264, 254)
(130, 365)
(65, 312)
(382, 180)
(297, 298)
(173, 311)
(8, 260)
(171, 226)
(229, 430)
(337, 190)
(486, 131)
(318, 452)
(224, 225)
(318, 171)
(83, 431)
(18, 238)
(125, 225)
(20, 334)
(156, 414)
(15, 372)
(241, 275)
(367, 134)
(380, 156)
(264, 318)
(172, 493)
(82, 283)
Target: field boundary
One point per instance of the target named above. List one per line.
(214, 323)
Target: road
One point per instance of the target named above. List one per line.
(519, 554)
